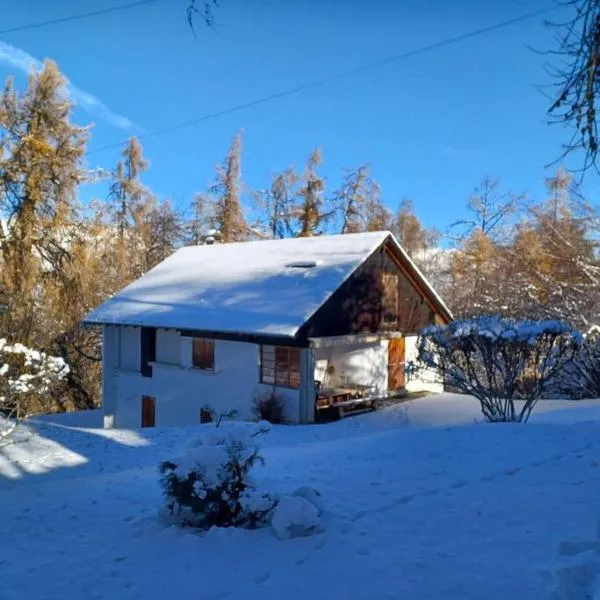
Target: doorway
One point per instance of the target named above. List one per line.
(396, 363)
(148, 411)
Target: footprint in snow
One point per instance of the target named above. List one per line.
(263, 577)
(459, 484)
(580, 578)
(406, 499)
(359, 515)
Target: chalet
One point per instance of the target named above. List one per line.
(324, 321)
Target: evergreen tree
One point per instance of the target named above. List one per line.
(229, 216)
(202, 220)
(355, 199)
(555, 257)
(276, 205)
(40, 169)
(413, 236)
(163, 233)
(311, 211)
(131, 205)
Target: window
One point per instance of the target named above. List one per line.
(203, 354)
(147, 350)
(390, 298)
(280, 365)
(206, 415)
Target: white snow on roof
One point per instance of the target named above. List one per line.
(241, 288)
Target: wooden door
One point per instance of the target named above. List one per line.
(148, 411)
(396, 359)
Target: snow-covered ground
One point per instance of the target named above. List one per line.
(424, 501)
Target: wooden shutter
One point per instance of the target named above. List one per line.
(294, 380)
(267, 364)
(203, 354)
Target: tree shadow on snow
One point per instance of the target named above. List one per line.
(43, 450)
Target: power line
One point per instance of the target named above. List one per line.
(94, 13)
(334, 77)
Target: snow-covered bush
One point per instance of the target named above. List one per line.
(269, 406)
(211, 484)
(581, 377)
(499, 360)
(27, 378)
(295, 516)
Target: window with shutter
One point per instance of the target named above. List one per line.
(280, 366)
(203, 354)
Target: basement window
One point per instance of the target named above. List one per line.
(280, 366)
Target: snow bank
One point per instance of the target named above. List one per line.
(295, 516)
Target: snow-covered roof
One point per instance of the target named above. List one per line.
(269, 287)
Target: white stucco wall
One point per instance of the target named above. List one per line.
(362, 364)
(428, 380)
(180, 390)
(110, 358)
(129, 348)
(168, 347)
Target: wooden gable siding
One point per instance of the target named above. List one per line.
(362, 304)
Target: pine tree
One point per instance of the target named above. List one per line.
(354, 199)
(555, 256)
(474, 281)
(490, 212)
(229, 216)
(40, 169)
(479, 260)
(202, 220)
(311, 211)
(127, 192)
(413, 236)
(131, 205)
(163, 233)
(379, 216)
(276, 205)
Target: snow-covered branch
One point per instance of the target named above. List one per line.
(27, 377)
(499, 360)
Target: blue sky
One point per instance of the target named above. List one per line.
(431, 126)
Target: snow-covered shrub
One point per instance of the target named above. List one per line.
(269, 406)
(295, 516)
(210, 485)
(581, 377)
(499, 360)
(27, 378)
